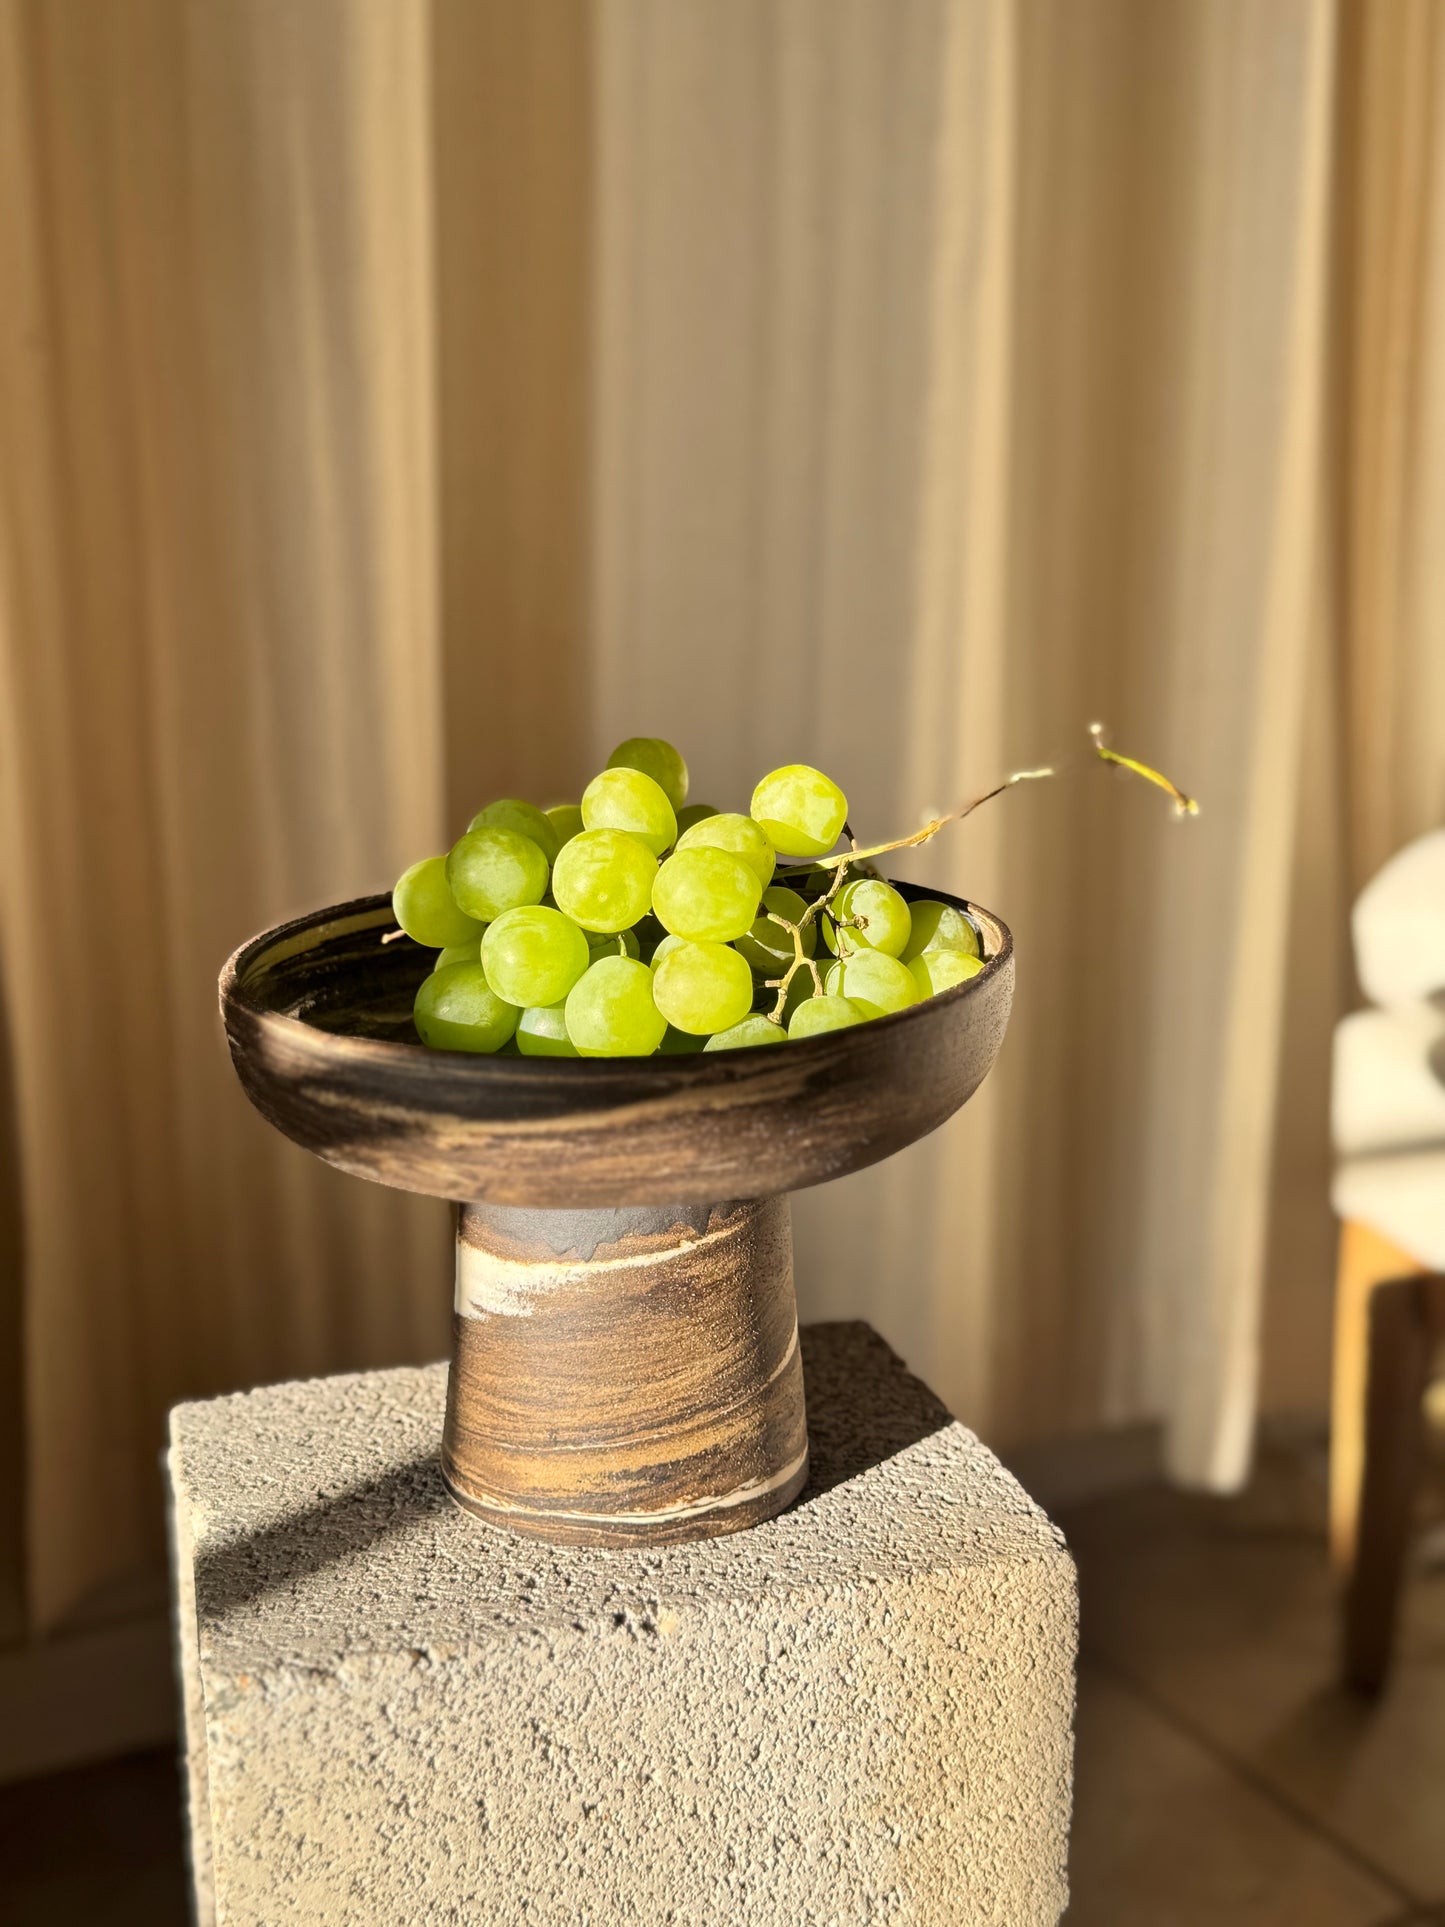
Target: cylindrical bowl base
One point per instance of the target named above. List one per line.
(625, 1377)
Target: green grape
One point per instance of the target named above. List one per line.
(747, 1032)
(693, 813)
(679, 1043)
(737, 834)
(603, 880)
(542, 1032)
(459, 953)
(710, 896)
(663, 945)
(881, 911)
(492, 870)
(628, 799)
(818, 1014)
(873, 980)
(457, 1009)
(800, 810)
(533, 956)
(511, 813)
(703, 987)
(657, 759)
(767, 946)
(424, 906)
(610, 1011)
(618, 943)
(937, 970)
(939, 926)
(566, 820)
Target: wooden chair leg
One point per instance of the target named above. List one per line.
(1366, 1262)
(1400, 1347)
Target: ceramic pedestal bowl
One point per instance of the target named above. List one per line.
(625, 1364)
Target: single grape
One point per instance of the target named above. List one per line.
(511, 813)
(767, 946)
(801, 810)
(542, 1032)
(703, 987)
(566, 820)
(875, 981)
(457, 1009)
(610, 1011)
(818, 1014)
(424, 906)
(533, 956)
(875, 906)
(737, 834)
(747, 1032)
(939, 926)
(693, 813)
(491, 870)
(679, 1043)
(627, 799)
(657, 759)
(459, 953)
(937, 970)
(710, 896)
(603, 879)
(617, 943)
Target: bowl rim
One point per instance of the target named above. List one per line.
(371, 911)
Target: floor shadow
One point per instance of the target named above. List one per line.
(238, 1571)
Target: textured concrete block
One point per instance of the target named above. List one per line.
(860, 1711)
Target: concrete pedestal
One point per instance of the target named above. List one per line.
(395, 1715)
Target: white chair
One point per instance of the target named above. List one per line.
(1388, 1124)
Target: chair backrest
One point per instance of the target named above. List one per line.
(1398, 924)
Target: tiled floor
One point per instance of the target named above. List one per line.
(1221, 1776)
(1222, 1781)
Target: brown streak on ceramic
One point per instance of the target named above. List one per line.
(640, 1393)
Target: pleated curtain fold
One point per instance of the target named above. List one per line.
(403, 400)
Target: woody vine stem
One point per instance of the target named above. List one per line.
(1099, 751)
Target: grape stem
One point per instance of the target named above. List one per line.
(1183, 805)
(840, 862)
(800, 957)
(1098, 744)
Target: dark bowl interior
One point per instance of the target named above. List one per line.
(318, 1018)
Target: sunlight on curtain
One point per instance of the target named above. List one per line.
(221, 695)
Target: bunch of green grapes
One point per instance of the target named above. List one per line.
(635, 921)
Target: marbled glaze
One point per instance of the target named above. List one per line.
(637, 1386)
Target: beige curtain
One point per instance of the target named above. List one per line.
(400, 400)
(961, 373)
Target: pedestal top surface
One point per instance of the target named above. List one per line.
(322, 1530)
